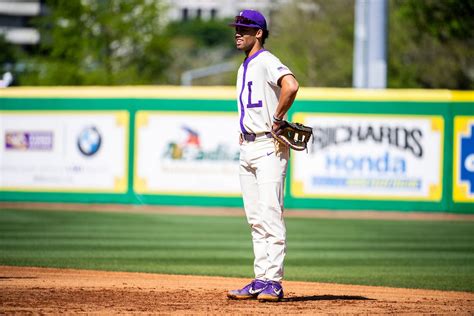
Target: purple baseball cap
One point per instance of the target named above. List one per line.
(250, 18)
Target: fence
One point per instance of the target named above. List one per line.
(380, 150)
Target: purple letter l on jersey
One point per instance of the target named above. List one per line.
(250, 104)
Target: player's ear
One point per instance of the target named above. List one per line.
(259, 34)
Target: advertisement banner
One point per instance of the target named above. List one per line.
(463, 180)
(65, 151)
(370, 156)
(186, 153)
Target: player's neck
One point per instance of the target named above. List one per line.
(254, 49)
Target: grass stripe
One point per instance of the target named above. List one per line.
(414, 254)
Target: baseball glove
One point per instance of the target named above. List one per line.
(294, 135)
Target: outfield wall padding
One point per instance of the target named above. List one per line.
(408, 150)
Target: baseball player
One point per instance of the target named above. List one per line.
(266, 90)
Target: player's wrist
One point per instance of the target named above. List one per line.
(276, 119)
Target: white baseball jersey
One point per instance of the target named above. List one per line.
(258, 91)
(262, 164)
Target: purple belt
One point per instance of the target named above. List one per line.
(250, 137)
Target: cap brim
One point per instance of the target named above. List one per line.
(253, 26)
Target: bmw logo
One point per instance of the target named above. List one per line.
(89, 141)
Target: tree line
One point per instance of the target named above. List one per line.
(127, 42)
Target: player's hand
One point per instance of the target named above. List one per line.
(276, 127)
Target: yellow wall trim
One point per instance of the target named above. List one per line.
(229, 93)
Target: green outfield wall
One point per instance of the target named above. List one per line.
(408, 150)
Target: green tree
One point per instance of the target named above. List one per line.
(209, 33)
(431, 44)
(314, 38)
(8, 54)
(101, 42)
(445, 20)
(200, 43)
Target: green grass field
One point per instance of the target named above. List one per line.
(413, 254)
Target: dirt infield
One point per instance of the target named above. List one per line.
(63, 291)
(59, 291)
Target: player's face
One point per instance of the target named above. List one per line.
(245, 38)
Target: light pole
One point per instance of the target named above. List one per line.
(370, 44)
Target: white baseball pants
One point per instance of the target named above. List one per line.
(263, 166)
